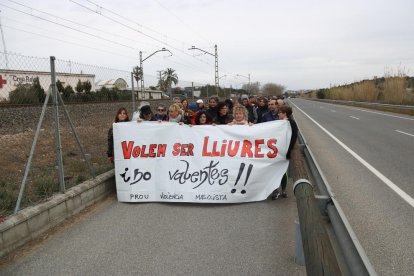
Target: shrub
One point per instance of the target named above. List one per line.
(320, 94)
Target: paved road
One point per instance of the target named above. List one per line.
(377, 197)
(171, 239)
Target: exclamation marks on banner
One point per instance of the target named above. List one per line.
(241, 169)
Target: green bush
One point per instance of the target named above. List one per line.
(28, 94)
(320, 94)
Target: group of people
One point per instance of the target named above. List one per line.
(248, 110)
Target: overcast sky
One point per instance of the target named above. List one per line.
(301, 44)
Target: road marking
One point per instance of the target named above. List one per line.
(356, 118)
(384, 114)
(333, 110)
(404, 132)
(382, 177)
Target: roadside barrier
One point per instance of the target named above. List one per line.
(330, 245)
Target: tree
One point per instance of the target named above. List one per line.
(38, 90)
(67, 92)
(59, 86)
(79, 87)
(169, 76)
(273, 89)
(161, 84)
(137, 72)
(253, 88)
(87, 86)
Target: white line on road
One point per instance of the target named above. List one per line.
(382, 177)
(404, 132)
(356, 118)
(384, 114)
(333, 110)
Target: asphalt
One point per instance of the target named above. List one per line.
(170, 239)
(382, 220)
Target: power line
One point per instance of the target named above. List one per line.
(132, 21)
(179, 19)
(65, 41)
(79, 24)
(83, 32)
(131, 28)
(62, 25)
(47, 20)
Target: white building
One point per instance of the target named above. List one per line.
(9, 79)
(119, 83)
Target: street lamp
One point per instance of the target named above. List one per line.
(216, 75)
(142, 69)
(248, 77)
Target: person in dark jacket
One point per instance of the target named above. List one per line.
(285, 113)
(261, 108)
(222, 117)
(272, 114)
(161, 114)
(212, 106)
(251, 112)
(146, 114)
(229, 104)
(121, 116)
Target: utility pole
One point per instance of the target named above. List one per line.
(216, 77)
(4, 45)
(142, 69)
(215, 55)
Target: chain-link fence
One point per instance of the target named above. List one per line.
(33, 133)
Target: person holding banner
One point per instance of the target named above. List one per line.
(240, 115)
(285, 113)
(146, 113)
(174, 113)
(203, 118)
(121, 116)
(161, 115)
(222, 117)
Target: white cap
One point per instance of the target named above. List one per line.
(199, 101)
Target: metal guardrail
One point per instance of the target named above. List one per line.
(351, 257)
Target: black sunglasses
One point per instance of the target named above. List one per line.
(160, 109)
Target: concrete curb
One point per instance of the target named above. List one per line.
(31, 222)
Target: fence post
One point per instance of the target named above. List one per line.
(320, 258)
(32, 150)
(58, 143)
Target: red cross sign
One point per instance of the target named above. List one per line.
(2, 81)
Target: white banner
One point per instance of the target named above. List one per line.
(210, 164)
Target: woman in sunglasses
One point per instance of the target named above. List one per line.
(161, 114)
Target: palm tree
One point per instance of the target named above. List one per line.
(137, 71)
(161, 84)
(169, 76)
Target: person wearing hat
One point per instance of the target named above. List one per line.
(145, 113)
(189, 118)
(200, 104)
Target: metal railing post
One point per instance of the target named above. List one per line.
(320, 258)
(58, 142)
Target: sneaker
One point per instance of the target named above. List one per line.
(275, 195)
(284, 195)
